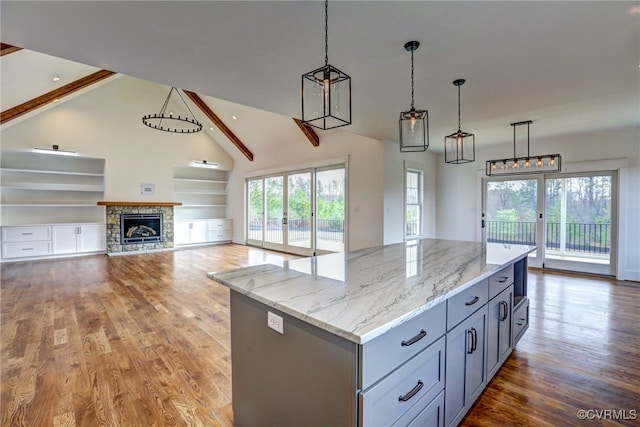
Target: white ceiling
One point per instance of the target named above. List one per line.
(571, 67)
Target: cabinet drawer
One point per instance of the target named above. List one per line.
(26, 234)
(499, 281)
(219, 224)
(26, 249)
(391, 349)
(219, 236)
(420, 378)
(520, 320)
(420, 416)
(464, 304)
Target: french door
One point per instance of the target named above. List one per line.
(570, 218)
(300, 212)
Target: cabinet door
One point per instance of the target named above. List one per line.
(499, 330)
(198, 232)
(465, 367)
(181, 232)
(92, 238)
(65, 239)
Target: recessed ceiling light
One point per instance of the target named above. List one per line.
(55, 79)
(210, 127)
(234, 117)
(56, 100)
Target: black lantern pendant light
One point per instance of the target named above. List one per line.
(326, 91)
(170, 123)
(414, 124)
(459, 147)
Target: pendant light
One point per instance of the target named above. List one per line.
(170, 123)
(326, 91)
(528, 164)
(414, 124)
(459, 147)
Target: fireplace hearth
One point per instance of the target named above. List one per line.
(140, 228)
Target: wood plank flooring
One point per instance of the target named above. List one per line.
(143, 340)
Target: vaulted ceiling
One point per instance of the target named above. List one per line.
(571, 67)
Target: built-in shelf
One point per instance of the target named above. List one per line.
(201, 206)
(210, 181)
(54, 187)
(45, 188)
(203, 192)
(51, 172)
(120, 203)
(50, 205)
(211, 192)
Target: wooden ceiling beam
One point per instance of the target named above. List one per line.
(6, 49)
(219, 123)
(42, 100)
(311, 134)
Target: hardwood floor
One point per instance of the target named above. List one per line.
(143, 340)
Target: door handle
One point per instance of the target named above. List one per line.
(504, 308)
(284, 221)
(475, 340)
(470, 345)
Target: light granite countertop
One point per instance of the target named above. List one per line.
(360, 295)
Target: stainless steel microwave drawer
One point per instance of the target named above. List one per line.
(420, 379)
(464, 304)
(391, 349)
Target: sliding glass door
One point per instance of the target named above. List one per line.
(570, 218)
(330, 209)
(299, 221)
(580, 213)
(301, 212)
(511, 214)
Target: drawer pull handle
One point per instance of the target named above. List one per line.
(27, 249)
(415, 339)
(473, 301)
(27, 234)
(503, 279)
(411, 393)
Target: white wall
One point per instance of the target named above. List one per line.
(365, 181)
(394, 166)
(106, 123)
(459, 186)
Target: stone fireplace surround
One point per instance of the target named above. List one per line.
(115, 209)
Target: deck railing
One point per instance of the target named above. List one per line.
(298, 230)
(579, 237)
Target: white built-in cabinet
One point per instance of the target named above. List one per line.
(198, 231)
(48, 193)
(78, 238)
(203, 194)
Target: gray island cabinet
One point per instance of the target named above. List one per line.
(399, 335)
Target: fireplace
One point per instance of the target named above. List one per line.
(140, 228)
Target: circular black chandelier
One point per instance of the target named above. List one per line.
(170, 123)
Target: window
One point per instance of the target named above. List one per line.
(413, 203)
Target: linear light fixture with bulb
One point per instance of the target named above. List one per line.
(523, 165)
(204, 164)
(55, 149)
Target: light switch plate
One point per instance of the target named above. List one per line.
(275, 322)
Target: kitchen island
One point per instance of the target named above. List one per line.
(404, 334)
